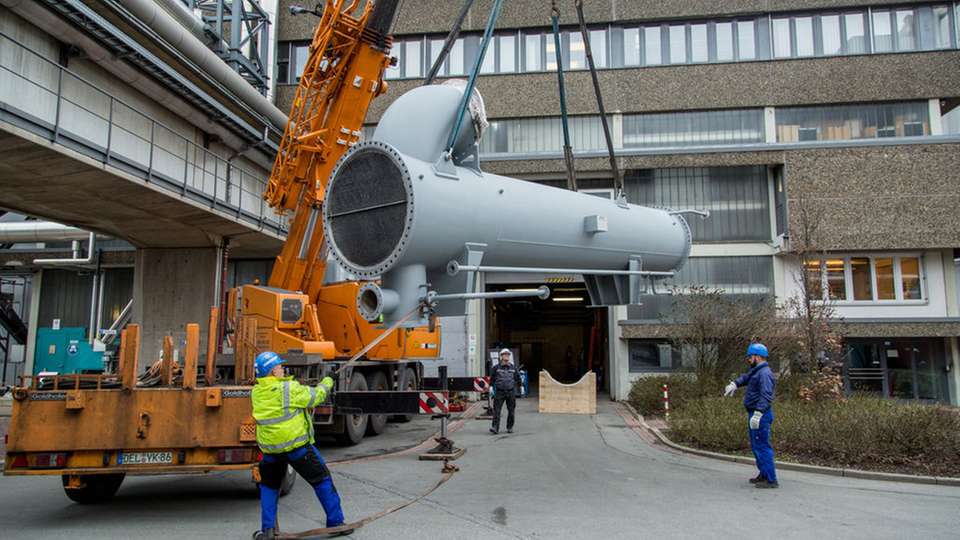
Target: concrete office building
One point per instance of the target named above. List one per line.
(737, 107)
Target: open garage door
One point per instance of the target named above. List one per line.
(561, 334)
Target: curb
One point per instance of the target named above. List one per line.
(801, 467)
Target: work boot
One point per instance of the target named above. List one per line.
(268, 534)
(756, 480)
(509, 430)
(764, 484)
(494, 431)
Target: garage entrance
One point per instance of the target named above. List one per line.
(561, 334)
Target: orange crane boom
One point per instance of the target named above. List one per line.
(297, 311)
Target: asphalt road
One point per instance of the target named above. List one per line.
(557, 476)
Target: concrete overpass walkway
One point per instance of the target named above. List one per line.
(73, 153)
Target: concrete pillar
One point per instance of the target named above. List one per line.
(619, 355)
(172, 287)
(476, 327)
(936, 119)
(769, 125)
(33, 320)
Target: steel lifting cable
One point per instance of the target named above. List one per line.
(617, 179)
(472, 80)
(378, 339)
(448, 472)
(448, 43)
(567, 149)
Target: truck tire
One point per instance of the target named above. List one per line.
(376, 423)
(98, 488)
(354, 425)
(411, 378)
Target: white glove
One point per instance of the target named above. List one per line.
(755, 420)
(730, 389)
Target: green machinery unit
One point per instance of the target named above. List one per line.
(65, 350)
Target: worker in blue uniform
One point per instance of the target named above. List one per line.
(282, 409)
(758, 400)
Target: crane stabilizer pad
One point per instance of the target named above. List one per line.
(347, 528)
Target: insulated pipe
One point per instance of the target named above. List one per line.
(39, 231)
(99, 318)
(191, 22)
(174, 33)
(41, 17)
(91, 254)
(92, 330)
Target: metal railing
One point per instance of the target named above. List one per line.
(53, 102)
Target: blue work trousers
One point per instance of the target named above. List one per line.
(760, 444)
(308, 463)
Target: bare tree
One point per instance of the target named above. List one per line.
(812, 309)
(714, 329)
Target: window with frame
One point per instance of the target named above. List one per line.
(436, 46)
(746, 40)
(850, 122)
(738, 199)
(678, 44)
(880, 278)
(747, 277)
(652, 355)
(652, 50)
(724, 41)
(291, 59)
(631, 47)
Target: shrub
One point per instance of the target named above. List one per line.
(646, 394)
(860, 432)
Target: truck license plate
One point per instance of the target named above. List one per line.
(144, 458)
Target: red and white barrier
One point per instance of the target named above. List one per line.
(666, 401)
(434, 403)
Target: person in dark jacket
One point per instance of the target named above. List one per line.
(758, 400)
(504, 379)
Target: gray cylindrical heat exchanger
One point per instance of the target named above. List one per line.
(389, 212)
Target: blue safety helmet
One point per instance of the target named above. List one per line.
(758, 349)
(265, 362)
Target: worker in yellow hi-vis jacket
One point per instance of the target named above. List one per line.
(281, 408)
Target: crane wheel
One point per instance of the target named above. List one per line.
(411, 378)
(354, 425)
(377, 380)
(94, 488)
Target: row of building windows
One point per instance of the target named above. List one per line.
(850, 122)
(866, 279)
(709, 128)
(737, 198)
(875, 279)
(914, 368)
(741, 39)
(747, 277)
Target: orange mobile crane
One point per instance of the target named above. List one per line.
(297, 314)
(95, 429)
